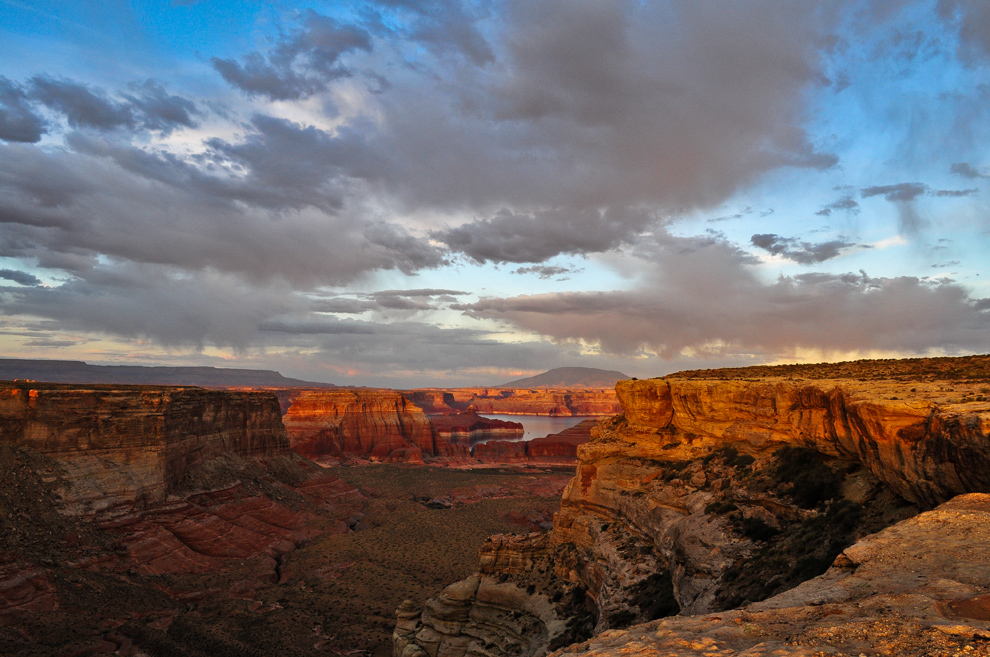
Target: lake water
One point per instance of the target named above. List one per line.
(537, 426)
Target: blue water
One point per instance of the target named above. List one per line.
(537, 426)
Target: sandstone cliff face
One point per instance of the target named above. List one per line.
(556, 448)
(380, 425)
(917, 588)
(135, 444)
(509, 401)
(468, 428)
(925, 450)
(710, 494)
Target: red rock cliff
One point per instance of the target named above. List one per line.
(380, 425)
(509, 401)
(126, 444)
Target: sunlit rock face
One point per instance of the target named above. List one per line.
(135, 444)
(707, 495)
(923, 446)
(916, 588)
(554, 449)
(510, 401)
(380, 425)
(469, 428)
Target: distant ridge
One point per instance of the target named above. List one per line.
(569, 377)
(75, 371)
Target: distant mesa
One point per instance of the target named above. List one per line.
(74, 371)
(569, 377)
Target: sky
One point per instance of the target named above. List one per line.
(426, 193)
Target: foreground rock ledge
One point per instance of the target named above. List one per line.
(710, 494)
(921, 587)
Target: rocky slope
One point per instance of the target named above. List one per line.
(921, 587)
(708, 494)
(125, 507)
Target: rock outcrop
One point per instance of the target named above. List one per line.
(709, 494)
(469, 428)
(108, 483)
(556, 448)
(379, 425)
(125, 445)
(590, 402)
(920, 587)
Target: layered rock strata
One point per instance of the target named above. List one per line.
(101, 485)
(469, 428)
(921, 587)
(556, 448)
(123, 445)
(510, 401)
(379, 425)
(710, 494)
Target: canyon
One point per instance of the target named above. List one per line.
(713, 497)
(805, 510)
(391, 426)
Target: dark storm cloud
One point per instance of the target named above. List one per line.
(955, 193)
(122, 202)
(967, 170)
(18, 120)
(83, 107)
(158, 109)
(445, 27)
(535, 237)
(159, 303)
(705, 297)
(21, 277)
(544, 271)
(972, 18)
(805, 253)
(900, 192)
(846, 204)
(316, 326)
(301, 64)
(903, 195)
(145, 105)
(590, 111)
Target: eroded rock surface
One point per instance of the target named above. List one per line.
(380, 425)
(122, 445)
(556, 448)
(512, 401)
(708, 494)
(920, 587)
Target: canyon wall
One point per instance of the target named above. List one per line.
(556, 448)
(135, 444)
(384, 425)
(509, 401)
(710, 494)
(468, 428)
(380, 425)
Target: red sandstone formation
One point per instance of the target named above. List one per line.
(711, 492)
(380, 425)
(557, 448)
(468, 428)
(178, 480)
(134, 444)
(506, 401)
